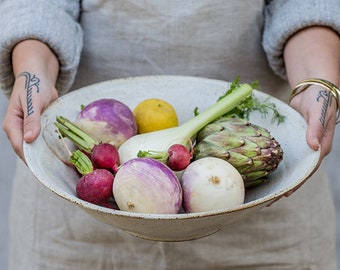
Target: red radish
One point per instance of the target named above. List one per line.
(103, 155)
(95, 185)
(177, 157)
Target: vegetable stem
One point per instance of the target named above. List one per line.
(82, 163)
(162, 156)
(222, 106)
(75, 134)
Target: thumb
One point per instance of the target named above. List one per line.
(320, 135)
(31, 127)
(313, 136)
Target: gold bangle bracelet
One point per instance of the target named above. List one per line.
(304, 84)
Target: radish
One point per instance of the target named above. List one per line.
(146, 185)
(105, 156)
(102, 155)
(211, 184)
(95, 185)
(177, 157)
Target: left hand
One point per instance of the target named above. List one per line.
(319, 108)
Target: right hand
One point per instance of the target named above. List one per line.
(23, 124)
(36, 69)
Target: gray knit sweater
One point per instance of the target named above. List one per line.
(57, 24)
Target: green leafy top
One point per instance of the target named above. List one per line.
(250, 104)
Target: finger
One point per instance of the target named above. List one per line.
(31, 126)
(320, 131)
(320, 138)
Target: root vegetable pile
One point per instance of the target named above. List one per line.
(136, 172)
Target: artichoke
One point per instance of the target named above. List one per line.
(248, 147)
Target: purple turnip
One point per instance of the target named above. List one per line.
(108, 120)
(146, 185)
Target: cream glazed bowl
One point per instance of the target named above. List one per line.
(44, 156)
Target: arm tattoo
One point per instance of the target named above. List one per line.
(326, 97)
(32, 83)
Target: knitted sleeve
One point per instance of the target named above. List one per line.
(283, 18)
(53, 22)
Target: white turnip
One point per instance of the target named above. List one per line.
(211, 184)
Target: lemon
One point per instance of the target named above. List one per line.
(154, 114)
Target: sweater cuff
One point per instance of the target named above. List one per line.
(285, 18)
(51, 25)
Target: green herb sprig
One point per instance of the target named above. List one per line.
(250, 104)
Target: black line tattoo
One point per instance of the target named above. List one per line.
(31, 84)
(326, 97)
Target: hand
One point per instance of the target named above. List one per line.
(314, 53)
(35, 68)
(30, 96)
(318, 107)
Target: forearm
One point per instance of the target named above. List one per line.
(55, 23)
(313, 53)
(36, 58)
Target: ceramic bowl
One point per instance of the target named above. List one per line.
(184, 93)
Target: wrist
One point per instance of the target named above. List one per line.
(332, 90)
(35, 57)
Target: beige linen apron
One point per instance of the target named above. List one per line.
(208, 38)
